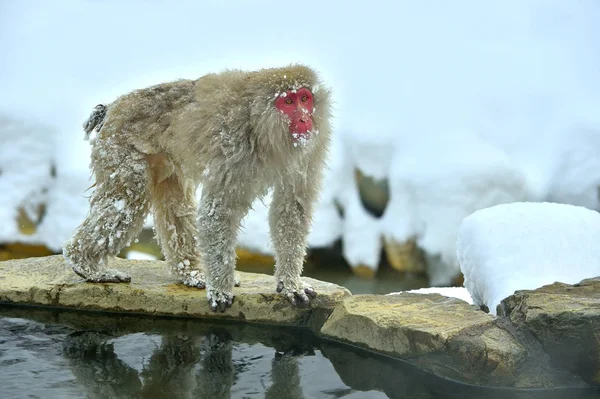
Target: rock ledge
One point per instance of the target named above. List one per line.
(48, 281)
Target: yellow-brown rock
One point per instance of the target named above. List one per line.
(404, 256)
(447, 337)
(403, 325)
(364, 272)
(565, 318)
(48, 281)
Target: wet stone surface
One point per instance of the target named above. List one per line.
(153, 290)
(546, 338)
(66, 354)
(566, 320)
(449, 338)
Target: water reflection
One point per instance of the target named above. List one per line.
(97, 367)
(141, 357)
(181, 367)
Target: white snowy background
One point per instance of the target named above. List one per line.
(461, 105)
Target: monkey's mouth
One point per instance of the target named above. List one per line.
(301, 138)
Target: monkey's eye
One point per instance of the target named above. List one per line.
(288, 101)
(304, 98)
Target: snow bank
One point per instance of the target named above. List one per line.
(525, 246)
(38, 167)
(26, 173)
(66, 208)
(140, 255)
(575, 179)
(327, 222)
(436, 183)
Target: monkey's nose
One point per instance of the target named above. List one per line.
(302, 120)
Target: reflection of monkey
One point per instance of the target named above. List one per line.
(285, 373)
(96, 365)
(216, 376)
(169, 373)
(236, 133)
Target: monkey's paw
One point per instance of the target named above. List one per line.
(219, 300)
(298, 294)
(105, 276)
(195, 279)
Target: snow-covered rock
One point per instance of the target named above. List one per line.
(436, 183)
(26, 173)
(526, 245)
(66, 208)
(140, 255)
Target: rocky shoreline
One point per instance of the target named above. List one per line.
(545, 338)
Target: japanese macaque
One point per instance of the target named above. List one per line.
(236, 133)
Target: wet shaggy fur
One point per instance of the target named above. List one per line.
(156, 145)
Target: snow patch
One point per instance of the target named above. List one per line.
(526, 245)
(131, 254)
(434, 184)
(452, 292)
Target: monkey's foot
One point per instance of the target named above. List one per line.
(219, 300)
(104, 276)
(195, 279)
(298, 294)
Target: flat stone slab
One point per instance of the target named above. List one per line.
(403, 325)
(447, 337)
(48, 281)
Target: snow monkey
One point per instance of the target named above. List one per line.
(235, 133)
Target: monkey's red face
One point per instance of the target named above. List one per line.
(298, 106)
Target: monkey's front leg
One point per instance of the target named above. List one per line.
(289, 221)
(219, 220)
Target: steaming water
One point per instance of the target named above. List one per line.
(63, 354)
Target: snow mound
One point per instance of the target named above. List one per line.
(452, 292)
(26, 173)
(526, 245)
(576, 177)
(359, 231)
(436, 183)
(66, 208)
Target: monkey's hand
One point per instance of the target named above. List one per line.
(219, 299)
(296, 291)
(194, 278)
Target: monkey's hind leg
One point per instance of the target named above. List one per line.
(174, 208)
(119, 205)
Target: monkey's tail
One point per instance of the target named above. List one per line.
(95, 120)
